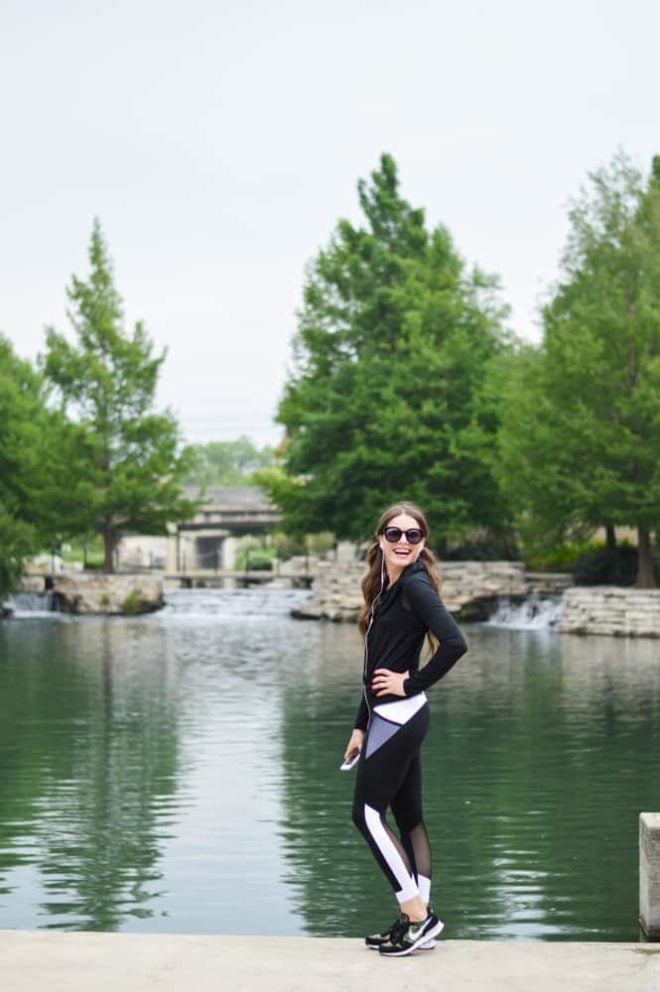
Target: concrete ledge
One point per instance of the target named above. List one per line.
(99, 962)
(649, 874)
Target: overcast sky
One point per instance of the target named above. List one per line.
(220, 142)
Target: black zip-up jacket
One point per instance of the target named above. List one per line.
(405, 613)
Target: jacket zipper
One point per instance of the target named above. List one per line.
(365, 668)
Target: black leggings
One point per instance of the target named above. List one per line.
(390, 775)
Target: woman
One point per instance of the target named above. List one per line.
(401, 607)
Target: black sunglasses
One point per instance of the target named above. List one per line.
(394, 534)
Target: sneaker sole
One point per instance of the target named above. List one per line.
(424, 943)
(427, 946)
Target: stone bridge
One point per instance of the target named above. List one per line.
(208, 541)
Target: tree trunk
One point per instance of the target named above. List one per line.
(108, 551)
(645, 576)
(610, 537)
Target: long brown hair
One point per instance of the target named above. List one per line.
(375, 581)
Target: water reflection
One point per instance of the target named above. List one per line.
(89, 747)
(179, 772)
(539, 760)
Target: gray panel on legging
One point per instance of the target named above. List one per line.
(380, 732)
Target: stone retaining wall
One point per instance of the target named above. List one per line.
(470, 589)
(336, 593)
(548, 583)
(613, 610)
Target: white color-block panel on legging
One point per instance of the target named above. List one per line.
(401, 710)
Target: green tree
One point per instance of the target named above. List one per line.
(31, 440)
(127, 462)
(384, 400)
(228, 463)
(589, 398)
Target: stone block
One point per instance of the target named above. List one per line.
(32, 583)
(612, 610)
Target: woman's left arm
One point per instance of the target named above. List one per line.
(428, 607)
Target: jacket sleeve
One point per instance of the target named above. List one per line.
(362, 715)
(429, 609)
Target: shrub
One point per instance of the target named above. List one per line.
(482, 546)
(254, 559)
(562, 557)
(606, 566)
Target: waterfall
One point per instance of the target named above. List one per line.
(533, 613)
(32, 604)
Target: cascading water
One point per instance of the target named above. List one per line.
(32, 604)
(533, 613)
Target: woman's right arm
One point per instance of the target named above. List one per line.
(359, 727)
(362, 716)
(356, 741)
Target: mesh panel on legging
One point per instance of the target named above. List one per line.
(407, 810)
(417, 840)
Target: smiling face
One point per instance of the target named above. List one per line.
(400, 553)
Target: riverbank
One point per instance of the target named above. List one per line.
(105, 962)
(471, 590)
(476, 590)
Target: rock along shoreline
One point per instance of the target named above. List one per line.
(107, 595)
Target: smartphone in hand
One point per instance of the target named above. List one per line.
(351, 761)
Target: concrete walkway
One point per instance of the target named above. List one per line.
(40, 961)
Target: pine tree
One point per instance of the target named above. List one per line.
(127, 462)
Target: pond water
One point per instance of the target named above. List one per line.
(179, 773)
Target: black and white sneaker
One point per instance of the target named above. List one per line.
(408, 937)
(376, 940)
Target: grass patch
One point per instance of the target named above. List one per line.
(131, 604)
